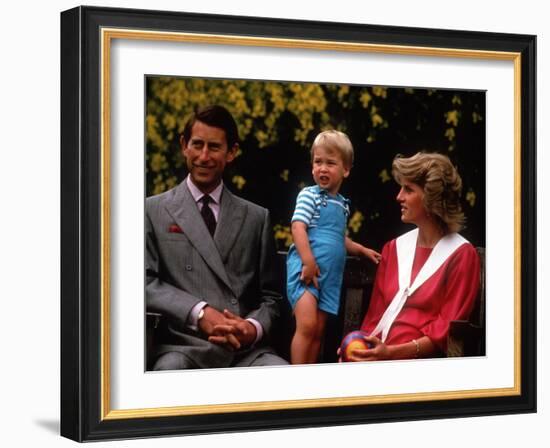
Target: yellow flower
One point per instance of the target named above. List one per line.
(380, 91)
(365, 99)
(356, 221)
(262, 137)
(450, 134)
(376, 120)
(452, 117)
(343, 91)
(171, 182)
(158, 162)
(283, 233)
(471, 198)
(153, 135)
(239, 182)
(384, 176)
(476, 117)
(159, 184)
(169, 121)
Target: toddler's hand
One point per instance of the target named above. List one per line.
(373, 255)
(310, 274)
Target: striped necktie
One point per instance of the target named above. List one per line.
(208, 214)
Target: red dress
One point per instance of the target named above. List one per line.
(449, 294)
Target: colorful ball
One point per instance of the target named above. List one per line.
(352, 341)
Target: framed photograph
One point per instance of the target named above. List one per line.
(133, 81)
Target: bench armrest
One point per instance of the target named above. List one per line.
(464, 339)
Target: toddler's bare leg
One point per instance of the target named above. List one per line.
(304, 341)
(319, 333)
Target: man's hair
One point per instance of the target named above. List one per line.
(441, 184)
(215, 116)
(338, 141)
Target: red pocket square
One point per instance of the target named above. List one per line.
(174, 228)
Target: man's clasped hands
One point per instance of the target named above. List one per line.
(227, 329)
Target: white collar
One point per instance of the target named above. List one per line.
(197, 194)
(406, 248)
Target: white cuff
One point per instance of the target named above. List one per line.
(259, 329)
(193, 319)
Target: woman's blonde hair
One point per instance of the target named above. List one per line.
(338, 141)
(441, 184)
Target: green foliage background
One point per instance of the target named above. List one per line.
(279, 120)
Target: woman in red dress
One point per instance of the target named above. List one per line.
(427, 277)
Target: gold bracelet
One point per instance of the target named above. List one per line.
(417, 345)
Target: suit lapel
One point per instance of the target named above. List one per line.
(230, 221)
(184, 210)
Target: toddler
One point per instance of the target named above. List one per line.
(316, 260)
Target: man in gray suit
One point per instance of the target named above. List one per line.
(209, 259)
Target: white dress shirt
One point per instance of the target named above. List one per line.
(216, 194)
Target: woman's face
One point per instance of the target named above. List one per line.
(410, 198)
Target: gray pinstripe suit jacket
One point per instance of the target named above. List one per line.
(233, 270)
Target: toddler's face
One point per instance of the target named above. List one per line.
(328, 169)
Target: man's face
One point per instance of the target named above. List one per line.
(206, 154)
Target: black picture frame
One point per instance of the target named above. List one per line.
(85, 413)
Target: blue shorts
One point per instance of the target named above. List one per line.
(331, 261)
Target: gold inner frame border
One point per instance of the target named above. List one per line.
(107, 35)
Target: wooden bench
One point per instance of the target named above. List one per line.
(466, 337)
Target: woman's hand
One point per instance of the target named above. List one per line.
(416, 348)
(379, 351)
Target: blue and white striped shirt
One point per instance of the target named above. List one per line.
(308, 205)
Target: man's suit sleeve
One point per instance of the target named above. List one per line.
(269, 300)
(161, 297)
